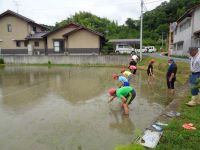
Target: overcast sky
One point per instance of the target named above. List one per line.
(51, 11)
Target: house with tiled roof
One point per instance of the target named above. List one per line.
(22, 36)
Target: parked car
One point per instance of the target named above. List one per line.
(124, 48)
(147, 49)
(144, 50)
(150, 49)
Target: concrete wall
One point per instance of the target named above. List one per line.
(41, 44)
(67, 59)
(83, 51)
(83, 39)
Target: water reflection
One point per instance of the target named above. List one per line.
(64, 108)
(122, 123)
(74, 84)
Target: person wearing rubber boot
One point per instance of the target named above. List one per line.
(195, 75)
(126, 95)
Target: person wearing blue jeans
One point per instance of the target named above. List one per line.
(195, 75)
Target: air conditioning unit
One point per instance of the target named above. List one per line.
(66, 53)
(37, 52)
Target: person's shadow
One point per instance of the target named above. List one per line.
(121, 122)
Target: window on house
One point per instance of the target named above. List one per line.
(185, 25)
(9, 28)
(18, 43)
(58, 45)
(180, 46)
(25, 43)
(174, 47)
(34, 29)
(197, 42)
(175, 31)
(36, 43)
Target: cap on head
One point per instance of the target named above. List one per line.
(134, 57)
(112, 91)
(114, 76)
(123, 70)
(132, 67)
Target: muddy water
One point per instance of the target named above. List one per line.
(66, 108)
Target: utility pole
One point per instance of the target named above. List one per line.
(141, 24)
(169, 46)
(162, 39)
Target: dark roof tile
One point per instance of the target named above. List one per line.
(9, 12)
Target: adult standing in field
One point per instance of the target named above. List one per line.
(171, 75)
(135, 58)
(150, 71)
(195, 75)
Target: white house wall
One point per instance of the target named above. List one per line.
(183, 36)
(197, 19)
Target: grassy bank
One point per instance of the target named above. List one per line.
(177, 138)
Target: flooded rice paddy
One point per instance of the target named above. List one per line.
(66, 108)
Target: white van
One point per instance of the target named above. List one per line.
(124, 48)
(150, 49)
(144, 50)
